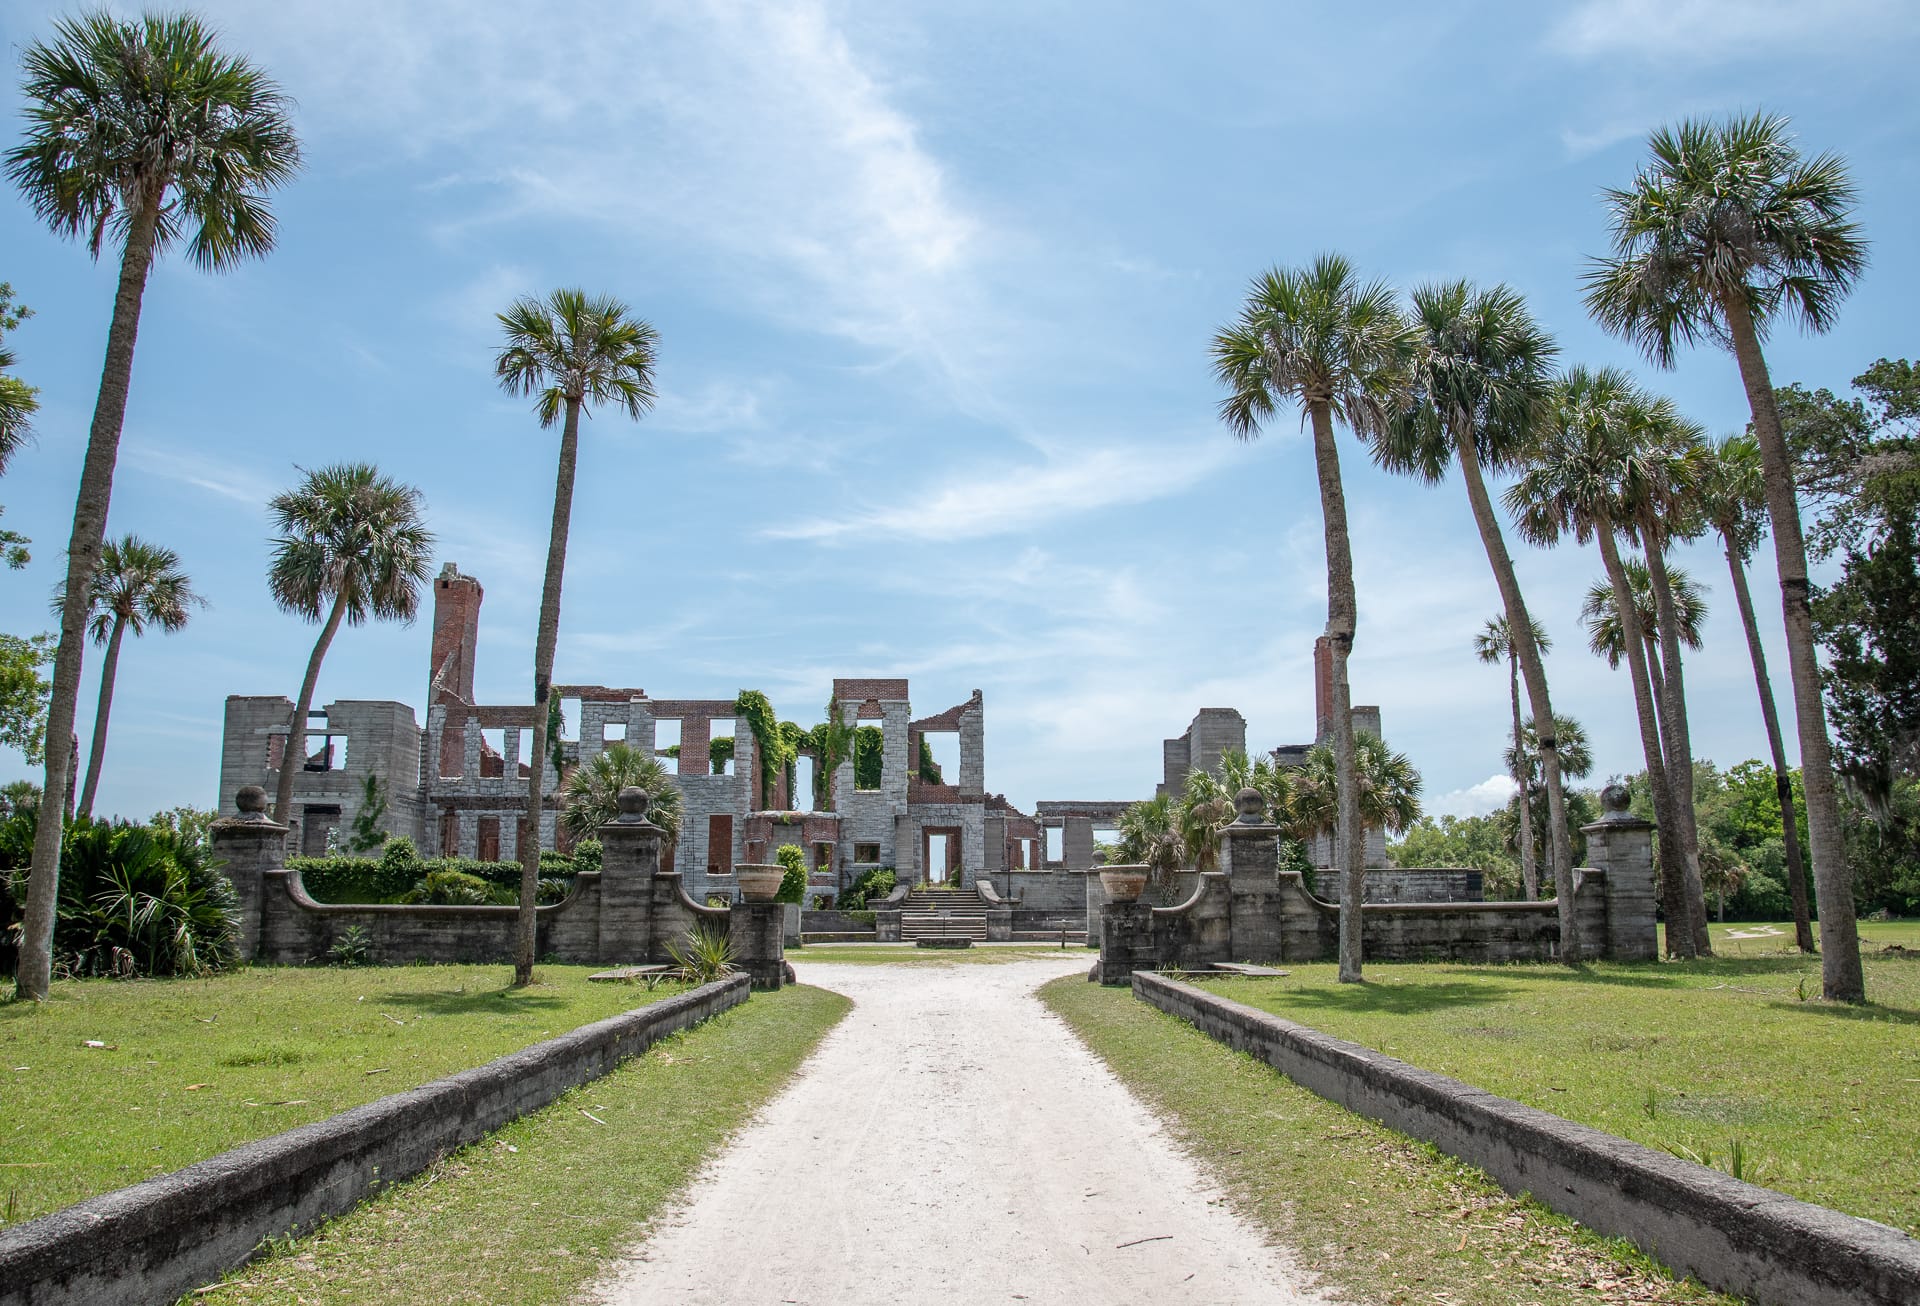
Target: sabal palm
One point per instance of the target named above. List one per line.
(569, 351)
(1725, 228)
(1600, 612)
(350, 547)
(18, 400)
(138, 585)
(1584, 477)
(1388, 792)
(591, 796)
(1150, 837)
(1338, 347)
(1731, 484)
(1204, 807)
(1495, 643)
(1576, 761)
(141, 133)
(1484, 370)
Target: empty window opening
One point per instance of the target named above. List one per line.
(571, 719)
(720, 745)
(493, 751)
(523, 741)
(1056, 844)
(943, 855)
(940, 758)
(803, 798)
(316, 823)
(720, 845)
(326, 752)
(1106, 846)
(614, 732)
(666, 743)
(869, 758)
(823, 855)
(867, 854)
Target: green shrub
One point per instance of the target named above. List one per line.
(702, 957)
(587, 855)
(793, 883)
(454, 889)
(399, 853)
(354, 947)
(390, 880)
(132, 901)
(877, 883)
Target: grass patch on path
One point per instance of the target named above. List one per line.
(906, 954)
(532, 1212)
(188, 1068)
(1705, 1059)
(1382, 1218)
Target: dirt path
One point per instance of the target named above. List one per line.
(952, 1141)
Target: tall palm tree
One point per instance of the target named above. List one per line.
(1726, 227)
(569, 350)
(1484, 371)
(1495, 643)
(1582, 478)
(591, 794)
(18, 400)
(138, 585)
(1601, 614)
(1576, 761)
(1150, 836)
(1388, 792)
(1732, 488)
(350, 547)
(1204, 808)
(1339, 347)
(140, 133)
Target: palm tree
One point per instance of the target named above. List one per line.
(1732, 487)
(18, 400)
(1484, 371)
(1583, 477)
(140, 132)
(1204, 808)
(1495, 643)
(1150, 836)
(570, 350)
(1601, 613)
(1339, 347)
(591, 795)
(1727, 226)
(138, 584)
(1576, 761)
(350, 546)
(1388, 793)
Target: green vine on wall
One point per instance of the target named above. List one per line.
(756, 710)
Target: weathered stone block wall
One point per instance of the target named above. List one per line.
(1731, 1235)
(1046, 891)
(1409, 884)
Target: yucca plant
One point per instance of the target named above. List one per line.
(702, 956)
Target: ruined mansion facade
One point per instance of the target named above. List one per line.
(458, 785)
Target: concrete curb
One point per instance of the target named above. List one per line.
(1730, 1235)
(156, 1240)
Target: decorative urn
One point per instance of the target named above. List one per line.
(758, 883)
(1123, 883)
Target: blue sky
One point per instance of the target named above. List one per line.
(935, 285)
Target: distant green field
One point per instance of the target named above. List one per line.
(188, 1068)
(1733, 1061)
(906, 954)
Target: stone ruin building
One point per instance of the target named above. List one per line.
(457, 787)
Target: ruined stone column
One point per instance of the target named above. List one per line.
(1250, 857)
(1621, 845)
(1076, 842)
(1126, 941)
(246, 847)
(757, 931)
(630, 859)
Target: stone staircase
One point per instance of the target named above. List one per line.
(943, 913)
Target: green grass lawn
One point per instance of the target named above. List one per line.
(189, 1068)
(906, 954)
(533, 1212)
(1705, 1059)
(1381, 1219)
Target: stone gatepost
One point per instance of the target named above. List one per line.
(757, 931)
(247, 846)
(1126, 941)
(1250, 857)
(1620, 844)
(630, 859)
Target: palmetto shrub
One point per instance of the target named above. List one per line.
(702, 957)
(133, 900)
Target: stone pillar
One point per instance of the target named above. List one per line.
(1076, 843)
(1620, 844)
(1250, 858)
(630, 859)
(757, 932)
(1126, 941)
(973, 748)
(246, 847)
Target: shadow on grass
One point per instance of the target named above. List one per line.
(1393, 999)
(1841, 1011)
(480, 1001)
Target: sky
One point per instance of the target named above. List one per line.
(935, 285)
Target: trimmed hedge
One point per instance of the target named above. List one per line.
(382, 880)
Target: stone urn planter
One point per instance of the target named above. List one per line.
(758, 883)
(1123, 883)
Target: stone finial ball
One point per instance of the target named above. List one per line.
(251, 800)
(1616, 797)
(1252, 806)
(634, 803)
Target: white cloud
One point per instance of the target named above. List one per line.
(1010, 498)
(215, 476)
(1696, 31)
(1490, 795)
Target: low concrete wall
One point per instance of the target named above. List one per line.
(813, 921)
(1728, 1234)
(1049, 891)
(159, 1239)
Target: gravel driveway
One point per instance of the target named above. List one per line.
(952, 1141)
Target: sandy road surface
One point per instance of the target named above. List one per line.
(952, 1141)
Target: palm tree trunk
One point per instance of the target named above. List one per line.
(1782, 781)
(1350, 853)
(293, 758)
(1529, 872)
(543, 649)
(98, 751)
(1842, 979)
(35, 973)
(1672, 876)
(1676, 737)
(1520, 631)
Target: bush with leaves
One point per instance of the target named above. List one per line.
(588, 856)
(876, 883)
(456, 889)
(702, 957)
(793, 880)
(132, 901)
(354, 947)
(391, 876)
